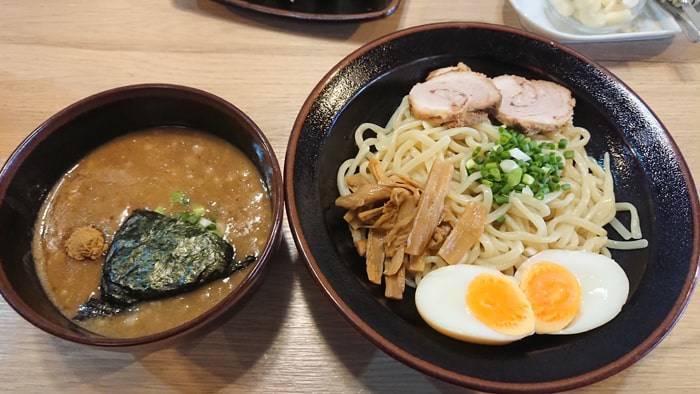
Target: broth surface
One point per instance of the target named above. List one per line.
(142, 170)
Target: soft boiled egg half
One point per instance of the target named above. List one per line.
(546, 278)
(553, 292)
(474, 304)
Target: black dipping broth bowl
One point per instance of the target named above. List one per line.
(62, 141)
(647, 167)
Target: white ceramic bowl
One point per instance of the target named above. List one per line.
(563, 21)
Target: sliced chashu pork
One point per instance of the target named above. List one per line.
(532, 105)
(454, 95)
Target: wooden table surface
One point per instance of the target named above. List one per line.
(289, 337)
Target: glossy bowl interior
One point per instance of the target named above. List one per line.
(60, 142)
(647, 168)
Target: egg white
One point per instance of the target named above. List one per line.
(441, 302)
(604, 286)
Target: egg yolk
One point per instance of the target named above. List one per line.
(500, 304)
(555, 296)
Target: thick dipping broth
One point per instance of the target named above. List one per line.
(142, 170)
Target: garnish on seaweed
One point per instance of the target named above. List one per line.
(193, 213)
(154, 256)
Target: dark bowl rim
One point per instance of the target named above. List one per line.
(424, 366)
(58, 120)
(387, 11)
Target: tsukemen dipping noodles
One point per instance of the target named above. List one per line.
(479, 192)
(150, 230)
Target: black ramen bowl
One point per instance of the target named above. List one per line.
(648, 171)
(320, 10)
(60, 142)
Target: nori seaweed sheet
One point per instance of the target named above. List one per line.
(155, 256)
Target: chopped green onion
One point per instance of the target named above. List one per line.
(206, 223)
(518, 163)
(566, 186)
(179, 198)
(514, 177)
(188, 217)
(508, 166)
(160, 210)
(199, 210)
(501, 199)
(568, 154)
(501, 219)
(518, 154)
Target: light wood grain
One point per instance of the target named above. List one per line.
(288, 338)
